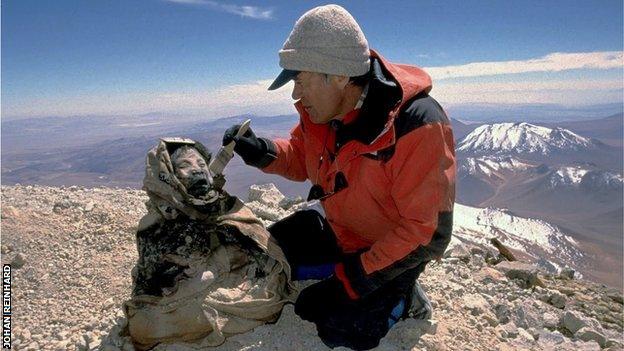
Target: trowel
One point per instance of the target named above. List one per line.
(226, 152)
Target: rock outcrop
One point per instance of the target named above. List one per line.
(72, 250)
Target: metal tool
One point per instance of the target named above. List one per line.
(226, 152)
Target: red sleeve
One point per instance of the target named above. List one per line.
(290, 157)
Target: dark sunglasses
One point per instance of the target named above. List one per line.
(317, 192)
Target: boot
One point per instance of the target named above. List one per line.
(419, 304)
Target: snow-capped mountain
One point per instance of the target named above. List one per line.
(491, 165)
(603, 181)
(566, 176)
(522, 138)
(578, 176)
(539, 240)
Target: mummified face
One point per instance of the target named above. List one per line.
(192, 171)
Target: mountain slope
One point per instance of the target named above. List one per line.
(522, 138)
(77, 249)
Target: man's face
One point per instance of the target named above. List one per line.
(321, 97)
(192, 171)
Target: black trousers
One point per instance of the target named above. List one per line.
(307, 239)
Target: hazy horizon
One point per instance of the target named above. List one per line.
(217, 58)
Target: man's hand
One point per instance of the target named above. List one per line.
(257, 152)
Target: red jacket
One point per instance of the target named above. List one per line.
(399, 162)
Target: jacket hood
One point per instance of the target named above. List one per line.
(167, 194)
(412, 80)
(391, 85)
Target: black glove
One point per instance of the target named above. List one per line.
(257, 152)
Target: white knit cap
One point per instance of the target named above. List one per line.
(326, 39)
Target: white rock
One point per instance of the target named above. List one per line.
(82, 345)
(266, 194)
(525, 335)
(475, 303)
(272, 214)
(551, 320)
(89, 206)
(108, 303)
(549, 339)
(510, 330)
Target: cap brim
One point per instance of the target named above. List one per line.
(284, 77)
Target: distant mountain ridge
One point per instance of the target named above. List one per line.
(553, 174)
(522, 137)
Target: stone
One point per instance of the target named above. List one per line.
(89, 206)
(475, 303)
(550, 320)
(557, 299)
(266, 194)
(573, 321)
(510, 330)
(82, 345)
(489, 275)
(108, 303)
(567, 273)
(18, 261)
(9, 212)
(491, 319)
(580, 345)
(95, 342)
(534, 333)
(526, 315)
(588, 334)
(548, 340)
(287, 203)
(477, 260)
(502, 313)
(272, 214)
(525, 335)
(62, 345)
(616, 344)
(451, 260)
(411, 330)
(524, 273)
(617, 297)
(458, 251)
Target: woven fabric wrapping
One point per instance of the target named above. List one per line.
(221, 293)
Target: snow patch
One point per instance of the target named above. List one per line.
(489, 165)
(534, 237)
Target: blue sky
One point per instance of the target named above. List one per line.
(217, 57)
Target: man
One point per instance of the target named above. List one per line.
(379, 152)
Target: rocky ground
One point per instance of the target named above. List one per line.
(72, 250)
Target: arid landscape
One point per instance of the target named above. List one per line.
(567, 173)
(72, 250)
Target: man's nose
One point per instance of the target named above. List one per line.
(296, 93)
